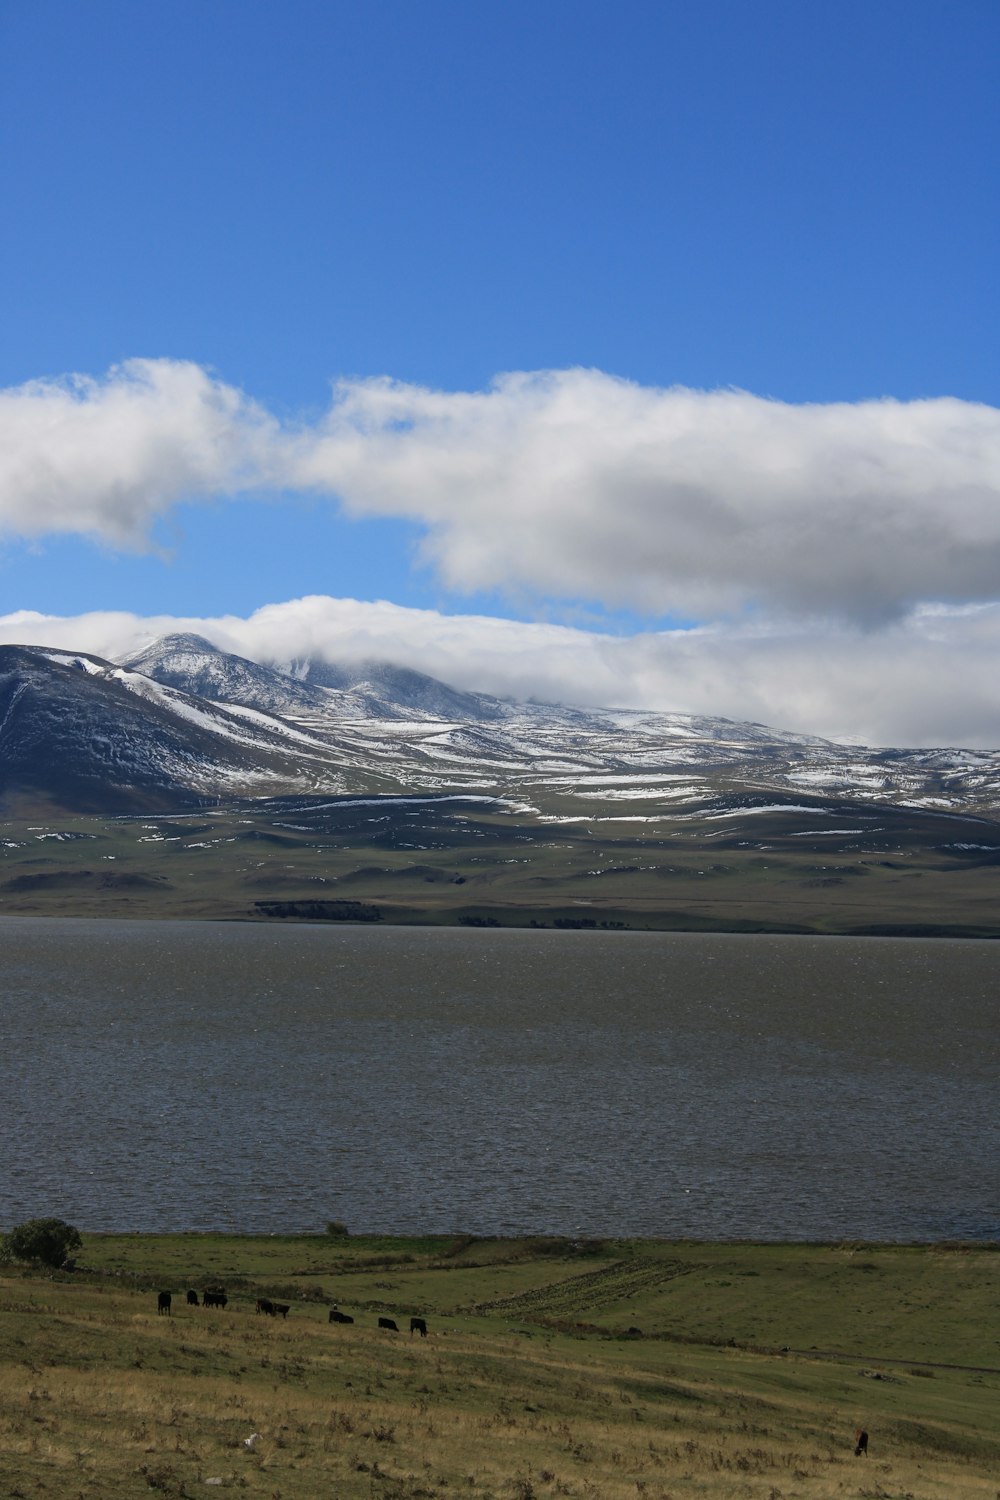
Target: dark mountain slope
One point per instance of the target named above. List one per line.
(92, 735)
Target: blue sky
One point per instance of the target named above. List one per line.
(794, 201)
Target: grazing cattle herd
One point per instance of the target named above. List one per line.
(218, 1298)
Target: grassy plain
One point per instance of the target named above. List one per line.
(858, 871)
(607, 1370)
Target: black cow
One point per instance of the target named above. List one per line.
(192, 1299)
(214, 1299)
(265, 1306)
(387, 1323)
(860, 1443)
(418, 1325)
(282, 1308)
(163, 1303)
(336, 1316)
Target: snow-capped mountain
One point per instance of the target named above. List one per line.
(95, 735)
(192, 665)
(183, 722)
(386, 691)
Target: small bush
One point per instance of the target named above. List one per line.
(338, 1230)
(46, 1241)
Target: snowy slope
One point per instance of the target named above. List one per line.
(184, 721)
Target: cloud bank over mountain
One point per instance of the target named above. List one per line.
(839, 564)
(927, 681)
(567, 485)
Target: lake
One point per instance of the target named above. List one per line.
(185, 1075)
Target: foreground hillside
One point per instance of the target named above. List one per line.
(550, 1368)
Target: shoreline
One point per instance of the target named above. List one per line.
(938, 932)
(578, 1245)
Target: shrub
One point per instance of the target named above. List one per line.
(336, 1228)
(47, 1241)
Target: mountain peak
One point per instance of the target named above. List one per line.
(386, 689)
(191, 664)
(179, 641)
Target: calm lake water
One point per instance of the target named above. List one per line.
(159, 1076)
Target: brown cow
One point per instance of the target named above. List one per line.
(860, 1443)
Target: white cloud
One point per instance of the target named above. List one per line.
(568, 484)
(106, 457)
(926, 681)
(578, 485)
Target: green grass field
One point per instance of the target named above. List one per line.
(551, 1368)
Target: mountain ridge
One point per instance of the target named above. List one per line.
(183, 721)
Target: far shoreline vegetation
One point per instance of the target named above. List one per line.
(551, 1366)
